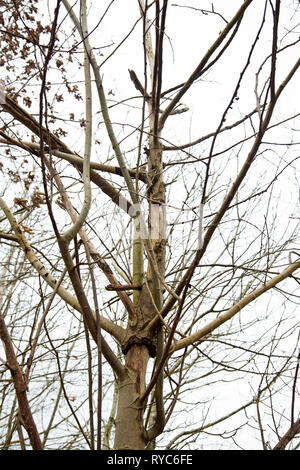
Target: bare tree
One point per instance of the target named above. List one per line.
(150, 224)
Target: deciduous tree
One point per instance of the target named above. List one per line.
(149, 224)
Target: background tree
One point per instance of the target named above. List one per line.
(149, 230)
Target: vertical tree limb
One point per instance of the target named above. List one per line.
(20, 388)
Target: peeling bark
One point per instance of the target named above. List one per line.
(129, 422)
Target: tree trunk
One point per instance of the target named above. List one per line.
(129, 422)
